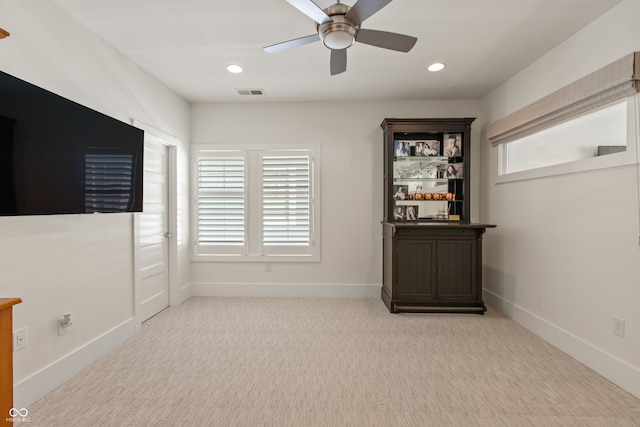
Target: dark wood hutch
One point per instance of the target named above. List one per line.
(432, 253)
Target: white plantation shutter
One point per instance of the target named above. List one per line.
(256, 203)
(286, 200)
(221, 201)
(108, 181)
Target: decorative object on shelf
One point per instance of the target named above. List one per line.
(411, 213)
(452, 145)
(401, 192)
(400, 213)
(4, 33)
(401, 148)
(427, 148)
(454, 170)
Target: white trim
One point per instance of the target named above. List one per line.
(175, 295)
(617, 371)
(285, 290)
(37, 385)
(156, 133)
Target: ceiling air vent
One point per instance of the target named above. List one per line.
(250, 92)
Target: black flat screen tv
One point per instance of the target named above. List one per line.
(59, 157)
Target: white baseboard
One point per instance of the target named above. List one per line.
(285, 290)
(609, 366)
(33, 388)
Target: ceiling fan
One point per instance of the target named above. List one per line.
(338, 26)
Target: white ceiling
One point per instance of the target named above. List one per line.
(188, 43)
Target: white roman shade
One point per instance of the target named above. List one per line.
(614, 82)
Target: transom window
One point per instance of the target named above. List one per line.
(600, 133)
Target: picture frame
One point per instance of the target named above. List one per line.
(400, 192)
(411, 212)
(454, 171)
(452, 143)
(427, 148)
(401, 148)
(399, 213)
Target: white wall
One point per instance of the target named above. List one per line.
(562, 272)
(81, 264)
(351, 179)
(565, 258)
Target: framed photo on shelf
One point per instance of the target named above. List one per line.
(411, 213)
(400, 192)
(401, 148)
(454, 170)
(399, 213)
(452, 145)
(428, 148)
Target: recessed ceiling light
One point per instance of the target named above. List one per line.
(436, 66)
(233, 68)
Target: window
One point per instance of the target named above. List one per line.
(596, 134)
(583, 126)
(256, 202)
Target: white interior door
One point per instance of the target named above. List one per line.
(152, 293)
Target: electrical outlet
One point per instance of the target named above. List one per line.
(618, 326)
(268, 268)
(63, 323)
(19, 339)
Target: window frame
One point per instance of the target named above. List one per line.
(254, 250)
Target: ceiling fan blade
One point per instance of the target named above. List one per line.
(311, 9)
(275, 48)
(363, 9)
(338, 61)
(384, 39)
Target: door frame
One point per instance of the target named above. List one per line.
(172, 214)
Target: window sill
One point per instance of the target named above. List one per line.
(594, 163)
(254, 258)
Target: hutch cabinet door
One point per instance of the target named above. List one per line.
(457, 267)
(416, 273)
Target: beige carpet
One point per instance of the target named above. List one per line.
(333, 362)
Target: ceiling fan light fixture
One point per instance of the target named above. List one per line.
(338, 40)
(338, 34)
